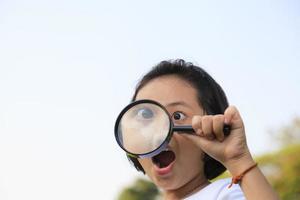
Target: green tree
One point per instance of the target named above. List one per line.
(140, 190)
(282, 168)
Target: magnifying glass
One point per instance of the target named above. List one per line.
(144, 128)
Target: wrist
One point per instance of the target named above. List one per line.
(239, 165)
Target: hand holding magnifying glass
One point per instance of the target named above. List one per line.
(144, 128)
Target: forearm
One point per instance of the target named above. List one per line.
(254, 184)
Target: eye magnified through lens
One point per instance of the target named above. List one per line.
(144, 128)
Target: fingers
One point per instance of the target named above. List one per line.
(209, 126)
(197, 125)
(212, 126)
(211, 139)
(218, 124)
(232, 116)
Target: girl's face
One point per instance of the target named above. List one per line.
(181, 164)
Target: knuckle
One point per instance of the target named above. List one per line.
(218, 118)
(206, 118)
(196, 121)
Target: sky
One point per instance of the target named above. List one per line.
(67, 68)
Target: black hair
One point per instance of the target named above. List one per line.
(211, 98)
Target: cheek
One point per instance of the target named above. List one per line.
(188, 152)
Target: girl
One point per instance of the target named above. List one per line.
(184, 169)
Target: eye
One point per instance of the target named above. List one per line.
(145, 113)
(178, 116)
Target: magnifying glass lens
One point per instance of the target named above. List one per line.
(143, 128)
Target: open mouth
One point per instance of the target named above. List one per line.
(164, 158)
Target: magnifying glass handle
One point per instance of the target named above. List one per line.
(184, 128)
(226, 129)
(189, 129)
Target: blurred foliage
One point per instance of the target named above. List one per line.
(289, 134)
(282, 168)
(283, 171)
(140, 190)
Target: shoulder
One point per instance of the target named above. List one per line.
(218, 190)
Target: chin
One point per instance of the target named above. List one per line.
(166, 183)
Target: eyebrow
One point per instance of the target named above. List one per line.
(178, 103)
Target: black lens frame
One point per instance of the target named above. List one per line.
(155, 151)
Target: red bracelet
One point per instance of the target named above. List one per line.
(237, 179)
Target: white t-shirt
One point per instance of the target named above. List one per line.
(219, 190)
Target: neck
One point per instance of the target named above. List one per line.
(193, 186)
